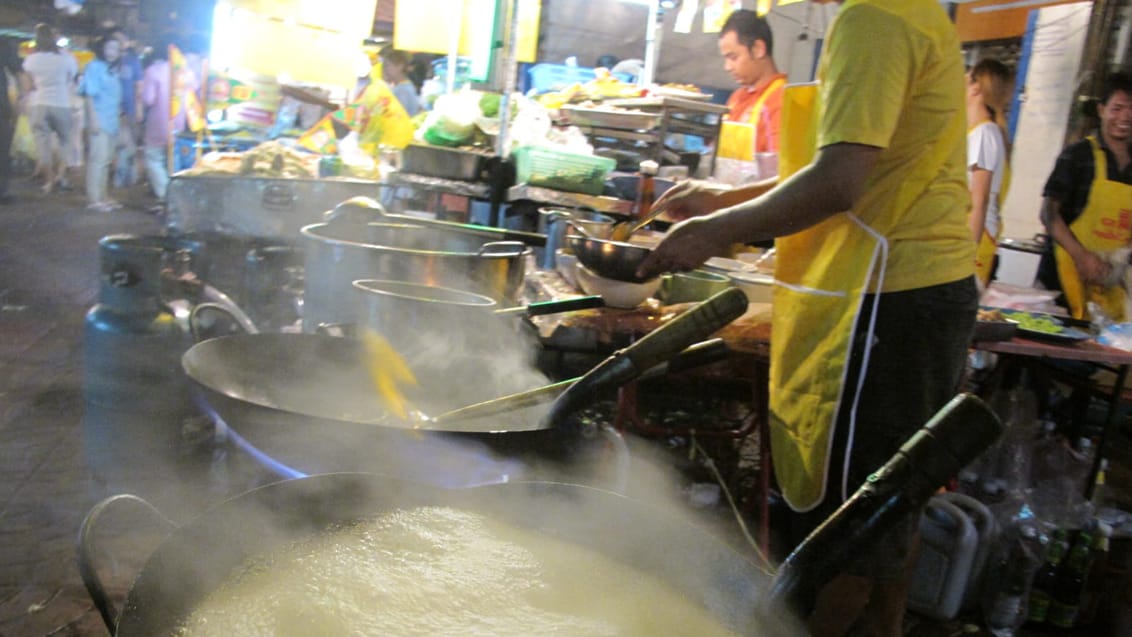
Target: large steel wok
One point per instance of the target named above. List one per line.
(193, 560)
(308, 401)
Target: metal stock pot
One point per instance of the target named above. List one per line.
(339, 253)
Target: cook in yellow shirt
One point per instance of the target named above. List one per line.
(875, 296)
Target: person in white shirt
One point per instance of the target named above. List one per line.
(990, 85)
(52, 73)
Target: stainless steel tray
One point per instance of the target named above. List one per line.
(446, 163)
(610, 118)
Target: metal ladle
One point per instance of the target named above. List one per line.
(625, 229)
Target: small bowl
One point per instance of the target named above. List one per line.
(567, 265)
(757, 286)
(619, 294)
(609, 259)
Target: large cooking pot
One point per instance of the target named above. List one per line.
(418, 318)
(194, 559)
(337, 255)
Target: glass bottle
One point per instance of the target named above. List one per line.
(1066, 602)
(1042, 591)
(1097, 580)
(1007, 597)
(646, 189)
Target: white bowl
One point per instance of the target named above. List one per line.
(616, 293)
(755, 285)
(567, 265)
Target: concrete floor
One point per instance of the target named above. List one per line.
(59, 456)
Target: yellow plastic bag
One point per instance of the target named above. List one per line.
(23, 141)
(385, 122)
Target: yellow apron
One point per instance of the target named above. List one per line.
(988, 245)
(822, 275)
(984, 255)
(737, 139)
(1105, 224)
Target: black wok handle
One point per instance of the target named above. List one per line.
(554, 307)
(658, 346)
(692, 326)
(953, 437)
(91, 580)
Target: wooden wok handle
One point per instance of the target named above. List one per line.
(954, 436)
(692, 326)
(658, 346)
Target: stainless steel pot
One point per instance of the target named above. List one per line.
(341, 252)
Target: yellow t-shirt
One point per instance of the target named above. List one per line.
(891, 76)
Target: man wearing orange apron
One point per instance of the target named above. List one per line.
(1087, 208)
(751, 126)
(874, 298)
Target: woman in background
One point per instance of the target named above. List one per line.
(52, 72)
(102, 92)
(394, 69)
(990, 85)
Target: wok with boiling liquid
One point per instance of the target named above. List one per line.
(194, 559)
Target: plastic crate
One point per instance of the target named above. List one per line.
(561, 170)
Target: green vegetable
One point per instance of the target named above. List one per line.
(489, 104)
(1035, 322)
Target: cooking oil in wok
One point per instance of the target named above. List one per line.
(441, 571)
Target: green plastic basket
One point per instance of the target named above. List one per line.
(552, 168)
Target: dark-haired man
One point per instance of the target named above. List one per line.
(746, 44)
(1087, 208)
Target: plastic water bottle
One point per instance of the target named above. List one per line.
(1006, 602)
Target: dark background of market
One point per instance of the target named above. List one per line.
(49, 471)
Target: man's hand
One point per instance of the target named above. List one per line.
(687, 245)
(689, 198)
(1093, 269)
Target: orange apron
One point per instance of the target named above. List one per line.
(1105, 224)
(737, 139)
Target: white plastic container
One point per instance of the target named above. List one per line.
(949, 541)
(987, 529)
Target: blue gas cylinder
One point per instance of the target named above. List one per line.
(133, 343)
